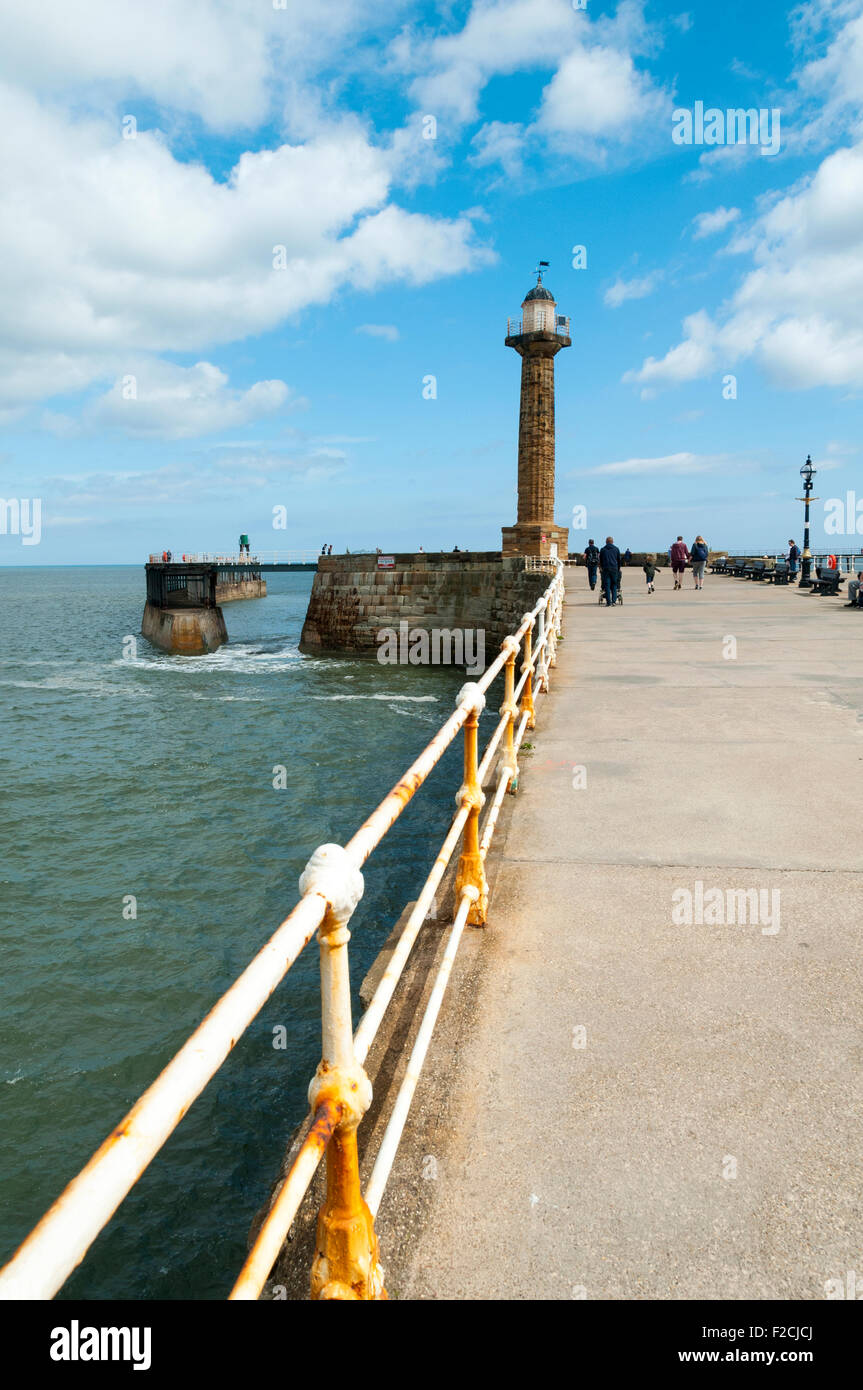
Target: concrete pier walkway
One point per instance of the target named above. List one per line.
(621, 1106)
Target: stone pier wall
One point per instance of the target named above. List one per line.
(184, 631)
(352, 599)
(242, 588)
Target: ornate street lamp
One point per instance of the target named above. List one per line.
(807, 473)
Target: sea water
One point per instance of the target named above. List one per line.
(134, 782)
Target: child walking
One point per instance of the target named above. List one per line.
(650, 573)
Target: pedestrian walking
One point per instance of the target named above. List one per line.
(627, 556)
(699, 554)
(591, 559)
(649, 568)
(679, 555)
(793, 561)
(609, 564)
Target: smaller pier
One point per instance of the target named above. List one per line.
(182, 613)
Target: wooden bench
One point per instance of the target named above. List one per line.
(828, 582)
(755, 570)
(779, 574)
(719, 566)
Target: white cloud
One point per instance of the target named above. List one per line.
(499, 36)
(499, 142)
(692, 358)
(597, 94)
(596, 99)
(218, 478)
(722, 159)
(380, 330)
(707, 223)
(174, 402)
(637, 288)
(835, 79)
(799, 311)
(226, 62)
(744, 70)
(110, 247)
(676, 464)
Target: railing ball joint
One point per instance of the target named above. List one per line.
(346, 1263)
(471, 867)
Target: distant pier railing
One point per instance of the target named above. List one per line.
(347, 1263)
(263, 557)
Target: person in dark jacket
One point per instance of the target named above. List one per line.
(793, 561)
(609, 564)
(699, 554)
(627, 556)
(591, 559)
(649, 568)
(679, 556)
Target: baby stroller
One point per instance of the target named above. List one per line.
(619, 588)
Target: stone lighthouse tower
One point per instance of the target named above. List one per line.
(537, 337)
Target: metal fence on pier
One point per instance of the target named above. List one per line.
(347, 1263)
(263, 557)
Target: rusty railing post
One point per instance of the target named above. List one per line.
(346, 1263)
(508, 759)
(471, 868)
(527, 706)
(551, 624)
(542, 651)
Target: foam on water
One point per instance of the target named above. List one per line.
(385, 695)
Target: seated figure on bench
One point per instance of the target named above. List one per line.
(855, 591)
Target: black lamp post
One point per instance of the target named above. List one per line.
(807, 473)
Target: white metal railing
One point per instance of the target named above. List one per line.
(848, 562)
(541, 562)
(346, 1263)
(261, 557)
(515, 326)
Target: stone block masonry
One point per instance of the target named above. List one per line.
(229, 590)
(352, 599)
(184, 631)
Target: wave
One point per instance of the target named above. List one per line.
(83, 686)
(241, 658)
(384, 695)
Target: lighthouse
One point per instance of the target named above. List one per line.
(537, 337)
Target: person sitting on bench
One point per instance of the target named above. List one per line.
(855, 592)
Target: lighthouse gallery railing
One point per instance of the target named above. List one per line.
(346, 1264)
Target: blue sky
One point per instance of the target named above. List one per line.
(162, 383)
